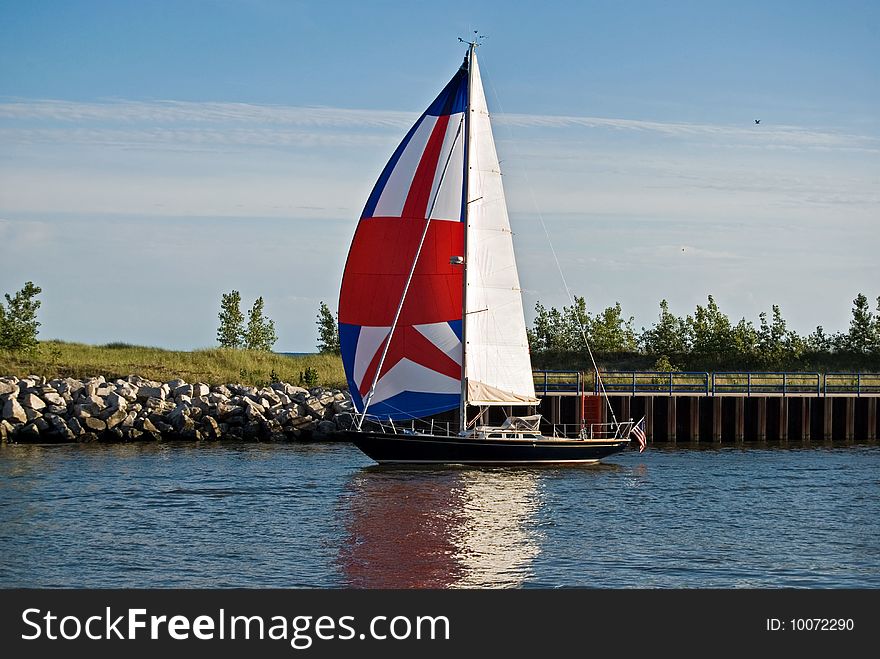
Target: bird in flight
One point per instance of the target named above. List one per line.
(757, 121)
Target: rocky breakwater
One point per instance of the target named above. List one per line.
(33, 409)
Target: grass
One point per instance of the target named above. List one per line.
(59, 359)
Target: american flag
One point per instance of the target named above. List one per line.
(639, 431)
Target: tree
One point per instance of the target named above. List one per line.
(230, 334)
(861, 338)
(769, 338)
(260, 332)
(777, 346)
(575, 326)
(877, 328)
(745, 339)
(711, 332)
(611, 333)
(818, 341)
(564, 332)
(328, 331)
(668, 336)
(547, 336)
(18, 321)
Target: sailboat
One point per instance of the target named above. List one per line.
(430, 309)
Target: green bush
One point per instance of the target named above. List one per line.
(309, 377)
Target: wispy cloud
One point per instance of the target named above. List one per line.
(194, 119)
(18, 235)
(791, 136)
(163, 112)
(182, 137)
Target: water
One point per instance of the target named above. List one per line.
(322, 515)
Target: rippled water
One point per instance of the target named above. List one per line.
(322, 515)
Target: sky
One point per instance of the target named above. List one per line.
(154, 155)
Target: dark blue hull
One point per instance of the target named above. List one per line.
(428, 449)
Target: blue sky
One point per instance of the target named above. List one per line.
(156, 154)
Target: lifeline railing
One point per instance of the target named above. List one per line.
(423, 426)
(594, 431)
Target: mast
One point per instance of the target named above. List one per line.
(462, 411)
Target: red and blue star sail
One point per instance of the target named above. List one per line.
(423, 182)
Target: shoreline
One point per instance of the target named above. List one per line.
(136, 409)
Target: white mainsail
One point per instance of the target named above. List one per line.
(498, 369)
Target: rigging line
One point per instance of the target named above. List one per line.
(412, 271)
(556, 259)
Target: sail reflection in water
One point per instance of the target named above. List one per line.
(456, 528)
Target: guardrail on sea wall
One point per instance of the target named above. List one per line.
(548, 383)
